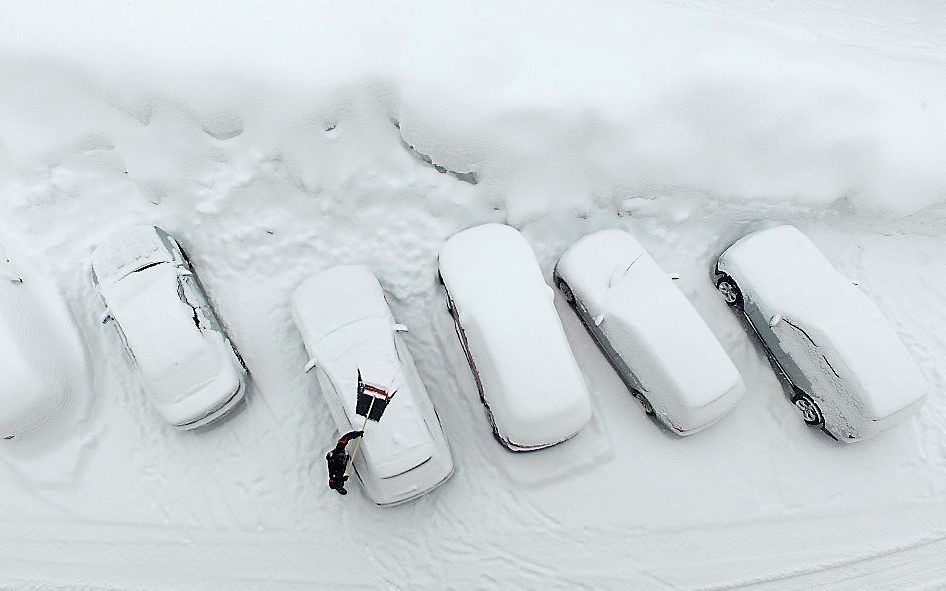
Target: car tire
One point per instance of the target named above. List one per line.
(810, 411)
(729, 290)
(566, 292)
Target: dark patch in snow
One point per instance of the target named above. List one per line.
(467, 177)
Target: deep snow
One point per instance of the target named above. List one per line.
(275, 141)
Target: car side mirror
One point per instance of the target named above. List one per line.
(399, 328)
(775, 319)
(106, 318)
(599, 319)
(310, 365)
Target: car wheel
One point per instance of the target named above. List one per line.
(810, 411)
(648, 407)
(729, 290)
(566, 292)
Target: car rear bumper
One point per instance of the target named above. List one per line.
(228, 405)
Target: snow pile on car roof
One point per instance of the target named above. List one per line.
(530, 378)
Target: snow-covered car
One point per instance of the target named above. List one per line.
(189, 368)
(526, 374)
(848, 371)
(348, 329)
(654, 338)
(30, 390)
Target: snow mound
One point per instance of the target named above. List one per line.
(37, 351)
(530, 379)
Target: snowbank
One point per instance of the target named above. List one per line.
(784, 274)
(40, 351)
(530, 380)
(665, 98)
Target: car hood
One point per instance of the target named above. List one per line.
(864, 350)
(128, 250)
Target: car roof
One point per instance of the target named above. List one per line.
(786, 274)
(533, 384)
(340, 295)
(348, 327)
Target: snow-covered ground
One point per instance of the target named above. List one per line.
(277, 140)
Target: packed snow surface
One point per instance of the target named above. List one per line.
(783, 273)
(276, 140)
(685, 373)
(531, 382)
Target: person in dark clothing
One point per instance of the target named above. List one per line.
(337, 462)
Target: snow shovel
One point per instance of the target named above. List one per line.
(371, 403)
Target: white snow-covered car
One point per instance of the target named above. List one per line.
(848, 370)
(526, 374)
(347, 328)
(189, 368)
(30, 391)
(654, 338)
